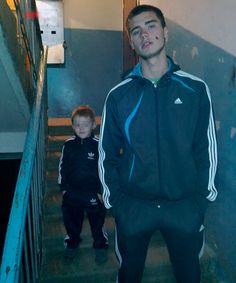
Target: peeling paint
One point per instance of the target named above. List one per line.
(194, 52)
(232, 132)
(233, 77)
(221, 60)
(174, 56)
(217, 125)
(8, 269)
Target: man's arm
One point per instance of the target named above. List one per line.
(205, 151)
(62, 170)
(110, 144)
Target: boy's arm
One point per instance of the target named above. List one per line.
(205, 151)
(62, 170)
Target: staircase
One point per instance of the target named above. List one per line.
(83, 269)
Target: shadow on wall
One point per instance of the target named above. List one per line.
(218, 69)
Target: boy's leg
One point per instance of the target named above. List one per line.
(73, 216)
(96, 216)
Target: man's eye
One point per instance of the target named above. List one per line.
(135, 32)
(152, 26)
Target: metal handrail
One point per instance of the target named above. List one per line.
(26, 34)
(22, 249)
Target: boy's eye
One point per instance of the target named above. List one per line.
(84, 126)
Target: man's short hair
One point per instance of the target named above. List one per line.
(145, 8)
(84, 111)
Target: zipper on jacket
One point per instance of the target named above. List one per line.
(132, 167)
(157, 136)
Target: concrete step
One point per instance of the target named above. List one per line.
(83, 268)
(57, 126)
(54, 232)
(53, 159)
(62, 126)
(55, 143)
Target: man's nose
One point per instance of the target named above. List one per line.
(143, 32)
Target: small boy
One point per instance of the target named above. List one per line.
(80, 185)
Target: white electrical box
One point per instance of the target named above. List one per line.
(50, 14)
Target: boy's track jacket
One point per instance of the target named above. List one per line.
(157, 142)
(78, 167)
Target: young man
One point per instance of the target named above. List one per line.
(80, 184)
(157, 154)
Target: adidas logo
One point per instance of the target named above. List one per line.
(93, 201)
(91, 155)
(178, 101)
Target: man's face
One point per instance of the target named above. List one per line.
(83, 126)
(147, 36)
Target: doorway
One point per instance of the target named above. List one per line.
(129, 56)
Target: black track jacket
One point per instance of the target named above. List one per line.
(78, 167)
(158, 141)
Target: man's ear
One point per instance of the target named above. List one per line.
(131, 42)
(166, 34)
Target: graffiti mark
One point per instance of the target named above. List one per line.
(221, 60)
(217, 125)
(174, 56)
(233, 77)
(194, 52)
(232, 132)
(31, 15)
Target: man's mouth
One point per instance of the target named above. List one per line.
(146, 44)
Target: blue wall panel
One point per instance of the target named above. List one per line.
(93, 65)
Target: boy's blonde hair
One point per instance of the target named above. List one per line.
(84, 111)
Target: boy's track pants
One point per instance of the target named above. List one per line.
(73, 211)
(180, 224)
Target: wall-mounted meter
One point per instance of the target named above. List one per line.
(51, 23)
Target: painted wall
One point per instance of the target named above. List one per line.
(212, 20)
(93, 57)
(202, 41)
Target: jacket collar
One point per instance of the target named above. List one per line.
(136, 72)
(86, 140)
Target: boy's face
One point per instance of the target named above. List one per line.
(147, 36)
(83, 126)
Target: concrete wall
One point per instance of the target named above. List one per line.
(202, 41)
(93, 35)
(14, 107)
(212, 20)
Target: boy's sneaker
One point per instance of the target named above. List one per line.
(69, 253)
(100, 255)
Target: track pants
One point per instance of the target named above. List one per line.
(179, 222)
(73, 211)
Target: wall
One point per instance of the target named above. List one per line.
(93, 57)
(202, 40)
(14, 107)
